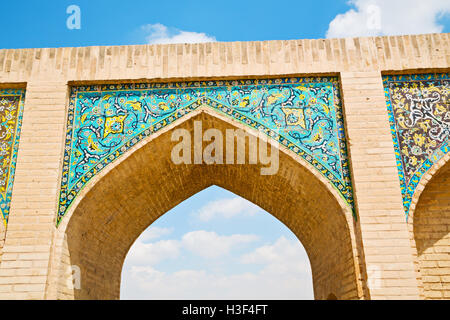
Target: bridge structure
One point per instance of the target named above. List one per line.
(360, 125)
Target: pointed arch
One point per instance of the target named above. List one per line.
(120, 202)
(430, 226)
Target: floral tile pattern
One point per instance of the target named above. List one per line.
(419, 115)
(302, 114)
(11, 111)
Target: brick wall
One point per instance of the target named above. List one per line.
(232, 59)
(377, 189)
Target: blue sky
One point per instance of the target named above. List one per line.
(215, 244)
(110, 22)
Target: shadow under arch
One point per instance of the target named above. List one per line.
(122, 201)
(430, 225)
(332, 296)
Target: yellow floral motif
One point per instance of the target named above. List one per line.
(245, 102)
(418, 139)
(424, 125)
(92, 145)
(294, 117)
(325, 108)
(431, 143)
(441, 109)
(401, 122)
(136, 105)
(318, 136)
(405, 150)
(274, 98)
(163, 106)
(114, 125)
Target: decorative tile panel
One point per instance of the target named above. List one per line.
(302, 114)
(11, 110)
(419, 115)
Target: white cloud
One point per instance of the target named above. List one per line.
(151, 253)
(152, 233)
(388, 17)
(282, 256)
(227, 208)
(285, 274)
(160, 34)
(202, 243)
(211, 245)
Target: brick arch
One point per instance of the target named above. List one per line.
(430, 226)
(424, 182)
(109, 215)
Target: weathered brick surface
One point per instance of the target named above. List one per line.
(29, 233)
(432, 235)
(385, 234)
(342, 252)
(2, 239)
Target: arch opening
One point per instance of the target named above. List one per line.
(431, 231)
(120, 204)
(217, 245)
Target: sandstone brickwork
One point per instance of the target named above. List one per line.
(432, 235)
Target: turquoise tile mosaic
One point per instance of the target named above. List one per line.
(302, 114)
(419, 115)
(11, 113)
